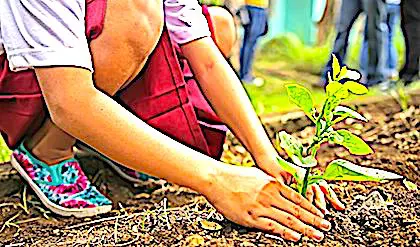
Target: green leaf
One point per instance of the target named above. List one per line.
(353, 143)
(337, 90)
(314, 179)
(350, 74)
(297, 172)
(343, 111)
(345, 170)
(335, 67)
(334, 137)
(330, 105)
(301, 97)
(410, 185)
(210, 225)
(306, 162)
(291, 145)
(309, 162)
(355, 87)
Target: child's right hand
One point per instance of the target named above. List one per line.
(250, 197)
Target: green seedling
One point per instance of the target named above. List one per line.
(342, 82)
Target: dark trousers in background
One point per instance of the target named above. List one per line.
(410, 24)
(252, 32)
(392, 22)
(376, 34)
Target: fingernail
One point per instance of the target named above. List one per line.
(296, 236)
(318, 236)
(325, 225)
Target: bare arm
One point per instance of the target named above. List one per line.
(230, 101)
(81, 110)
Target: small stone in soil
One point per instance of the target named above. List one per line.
(374, 201)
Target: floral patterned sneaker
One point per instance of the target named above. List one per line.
(63, 188)
(126, 173)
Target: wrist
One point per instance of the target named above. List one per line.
(206, 177)
(263, 152)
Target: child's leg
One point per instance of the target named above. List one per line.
(118, 56)
(50, 144)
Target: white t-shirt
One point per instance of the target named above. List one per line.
(397, 2)
(36, 33)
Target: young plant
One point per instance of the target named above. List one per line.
(342, 82)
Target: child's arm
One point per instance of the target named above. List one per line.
(230, 101)
(188, 27)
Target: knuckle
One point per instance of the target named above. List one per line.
(265, 200)
(316, 221)
(252, 214)
(298, 199)
(270, 227)
(297, 212)
(291, 222)
(308, 231)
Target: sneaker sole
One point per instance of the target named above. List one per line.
(57, 209)
(84, 148)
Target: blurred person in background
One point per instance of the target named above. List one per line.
(375, 11)
(410, 24)
(390, 55)
(254, 19)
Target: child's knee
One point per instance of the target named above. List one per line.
(147, 28)
(131, 32)
(224, 28)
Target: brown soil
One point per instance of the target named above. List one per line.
(159, 214)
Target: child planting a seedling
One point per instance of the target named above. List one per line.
(68, 68)
(342, 82)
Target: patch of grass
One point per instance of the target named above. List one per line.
(272, 97)
(4, 152)
(288, 52)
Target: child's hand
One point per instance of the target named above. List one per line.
(317, 194)
(250, 197)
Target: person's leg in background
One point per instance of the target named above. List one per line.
(393, 16)
(349, 11)
(376, 39)
(410, 23)
(392, 20)
(364, 52)
(254, 30)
